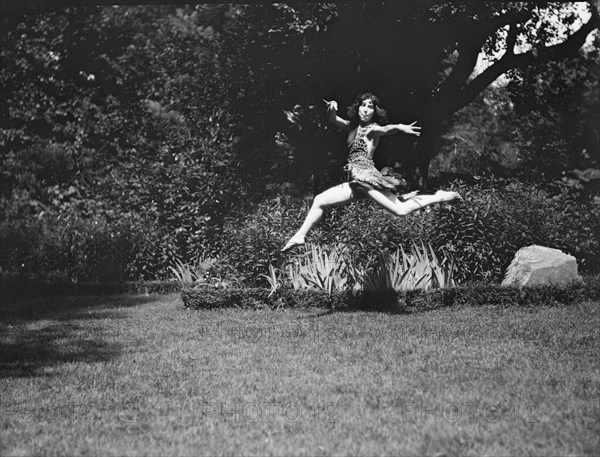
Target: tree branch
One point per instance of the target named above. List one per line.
(467, 58)
(566, 49)
(470, 45)
(511, 40)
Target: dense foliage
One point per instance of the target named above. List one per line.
(482, 232)
(136, 136)
(541, 125)
(496, 219)
(556, 120)
(108, 130)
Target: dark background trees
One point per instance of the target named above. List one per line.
(422, 59)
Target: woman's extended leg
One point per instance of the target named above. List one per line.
(401, 208)
(337, 195)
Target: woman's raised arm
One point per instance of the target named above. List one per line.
(333, 117)
(390, 129)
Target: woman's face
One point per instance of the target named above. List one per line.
(366, 110)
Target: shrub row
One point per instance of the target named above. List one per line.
(79, 248)
(474, 294)
(482, 233)
(25, 288)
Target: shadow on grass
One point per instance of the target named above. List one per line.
(41, 333)
(313, 314)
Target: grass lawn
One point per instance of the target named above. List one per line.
(136, 375)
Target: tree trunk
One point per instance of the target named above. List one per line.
(417, 169)
(415, 175)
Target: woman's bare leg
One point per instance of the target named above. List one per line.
(401, 208)
(337, 195)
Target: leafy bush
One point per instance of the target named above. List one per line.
(74, 249)
(67, 250)
(482, 233)
(366, 229)
(84, 240)
(473, 232)
(252, 239)
(473, 294)
(576, 230)
(121, 129)
(555, 120)
(485, 230)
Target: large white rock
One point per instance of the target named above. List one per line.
(535, 265)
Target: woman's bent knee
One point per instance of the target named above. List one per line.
(400, 211)
(318, 200)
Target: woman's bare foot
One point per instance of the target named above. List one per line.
(446, 196)
(295, 241)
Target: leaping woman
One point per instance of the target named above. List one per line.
(367, 123)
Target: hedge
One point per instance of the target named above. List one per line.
(474, 294)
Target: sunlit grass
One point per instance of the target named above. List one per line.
(127, 375)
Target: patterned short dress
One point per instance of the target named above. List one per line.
(361, 170)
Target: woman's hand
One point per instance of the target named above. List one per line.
(332, 106)
(412, 129)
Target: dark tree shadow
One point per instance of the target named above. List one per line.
(40, 333)
(65, 307)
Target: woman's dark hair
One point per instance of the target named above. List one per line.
(379, 116)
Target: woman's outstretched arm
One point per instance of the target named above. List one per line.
(333, 117)
(390, 129)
